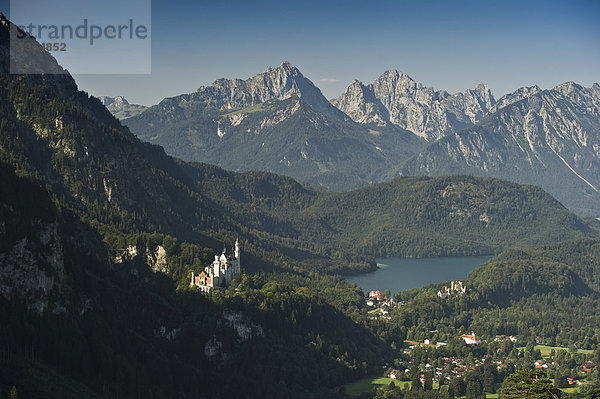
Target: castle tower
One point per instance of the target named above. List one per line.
(237, 268)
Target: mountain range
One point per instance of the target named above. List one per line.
(279, 121)
(276, 121)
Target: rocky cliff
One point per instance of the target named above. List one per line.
(395, 98)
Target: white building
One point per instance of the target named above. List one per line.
(471, 339)
(456, 288)
(220, 274)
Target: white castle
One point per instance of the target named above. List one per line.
(456, 288)
(219, 275)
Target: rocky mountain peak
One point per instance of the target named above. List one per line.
(395, 83)
(544, 137)
(280, 82)
(117, 101)
(394, 74)
(358, 90)
(288, 68)
(360, 104)
(567, 87)
(595, 90)
(394, 97)
(483, 96)
(484, 90)
(517, 95)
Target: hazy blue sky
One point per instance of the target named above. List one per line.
(451, 45)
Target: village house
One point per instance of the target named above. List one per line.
(588, 366)
(502, 338)
(541, 364)
(377, 295)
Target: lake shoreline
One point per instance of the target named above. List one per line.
(401, 274)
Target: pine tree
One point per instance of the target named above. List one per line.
(428, 383)
(416, 382)
(593, 394)
(529, 384)
(473, 390)
(488, 380)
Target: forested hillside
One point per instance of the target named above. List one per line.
(77, 325)
(550, 291)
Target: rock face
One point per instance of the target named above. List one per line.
(515, 96)
(550, 138)
(120, 107)
(33, 269)
(279, 83)
(394, 98)
(276, 121)
(34, 248)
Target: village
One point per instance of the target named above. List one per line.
(426, 358)
(437, 361)
(380, 304)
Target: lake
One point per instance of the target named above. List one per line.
(399, 274)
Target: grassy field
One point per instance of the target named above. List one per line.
(546, 349)
(367, 385)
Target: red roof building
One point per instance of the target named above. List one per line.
(376, 295)
(471, 338)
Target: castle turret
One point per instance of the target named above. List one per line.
(237, 249)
